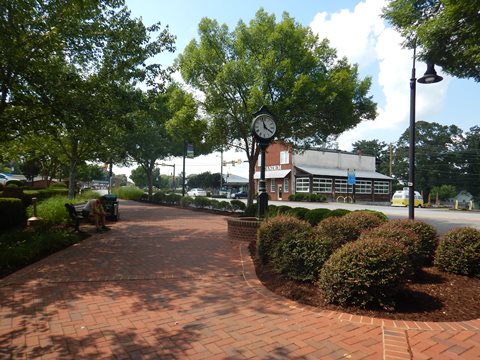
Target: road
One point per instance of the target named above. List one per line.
(442, 219)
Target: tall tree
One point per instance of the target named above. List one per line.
(377, 148)
(159, 129)
(282, 65)
(92, 49)
(436, 160)
(446, 31)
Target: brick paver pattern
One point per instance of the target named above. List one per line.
(167, 283)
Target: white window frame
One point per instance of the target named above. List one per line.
(382, 187)
(286, 185)
(322, 185)
(284, 157)
(302, 185)
(341, 187)
(272, 186)
(363, 187)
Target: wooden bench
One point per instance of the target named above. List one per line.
(75, 213)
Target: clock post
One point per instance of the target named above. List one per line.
(263, 130)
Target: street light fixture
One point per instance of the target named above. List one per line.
(430, 77)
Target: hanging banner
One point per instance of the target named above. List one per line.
(190, 153)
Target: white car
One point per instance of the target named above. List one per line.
(5, 179)
(197, 192)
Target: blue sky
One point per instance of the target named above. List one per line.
(356, 30)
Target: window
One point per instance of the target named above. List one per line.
(322, 185)
(272, 185)
(302, 185)
(286, 185)
(341, 186)
(363, 187)
(382, 187)
(284, 157)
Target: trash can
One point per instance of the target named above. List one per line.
(110, 204)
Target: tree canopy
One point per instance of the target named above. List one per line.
(282, 65)
(446, 31)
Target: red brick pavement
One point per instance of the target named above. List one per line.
(167, 283)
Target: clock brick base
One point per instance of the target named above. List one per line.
(243, 229)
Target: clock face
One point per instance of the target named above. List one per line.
(264, 127)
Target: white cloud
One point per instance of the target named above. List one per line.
(363, 37)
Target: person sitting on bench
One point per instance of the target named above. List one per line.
(94, 208)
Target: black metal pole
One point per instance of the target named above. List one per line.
(262, 185)
(184, 156)
(411, 157)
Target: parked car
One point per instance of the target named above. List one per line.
(196, 192)
(5, 179)
(400, 198)
(239, 195)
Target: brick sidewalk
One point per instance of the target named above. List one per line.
(167, 283)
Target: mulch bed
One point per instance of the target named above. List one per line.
(431, 296)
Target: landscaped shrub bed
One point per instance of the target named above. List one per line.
(362, 260)
(314, 216)
(459, 252)
(20, 248)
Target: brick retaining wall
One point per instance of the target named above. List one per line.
(243, 229)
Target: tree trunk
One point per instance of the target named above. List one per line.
(72, 171)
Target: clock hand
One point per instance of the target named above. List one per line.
(265, 126)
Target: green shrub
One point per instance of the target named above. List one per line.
(459, 252)
(314, 216)
(364, 273)
(298, 197)
(186, 201)
(12, 213)
(128, 192)
(238, 205)
(58, 186)
(272, 230)
(201, 202)
(21, 248)
(380, 214)
(365, 220)
(298, 212)
(404, 236)
(225, 206)
(283, 209)
(301, 255)
(250, 210)
(338, 229)
(338, 212)
(348, 227)
(160, 197)
(316, 198)
(427, 235)
(173, 199)
(215, 204)
(272, 210)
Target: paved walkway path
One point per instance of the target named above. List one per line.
(167, 283)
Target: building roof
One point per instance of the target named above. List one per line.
(334, 172)
(232, 179)
(273, 174)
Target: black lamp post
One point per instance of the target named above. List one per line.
(429, 77)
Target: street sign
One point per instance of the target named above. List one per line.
(351, 180)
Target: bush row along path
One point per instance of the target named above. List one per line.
(166, 283)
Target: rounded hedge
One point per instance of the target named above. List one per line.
(298, 212)
(272, 231)
(365, 220)
(365, 273)
(338, 212)
(238, 205)
(301, 255)
(404, 237)
(250, 210)
(459, 252)
(425, 232)
(314, 216)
